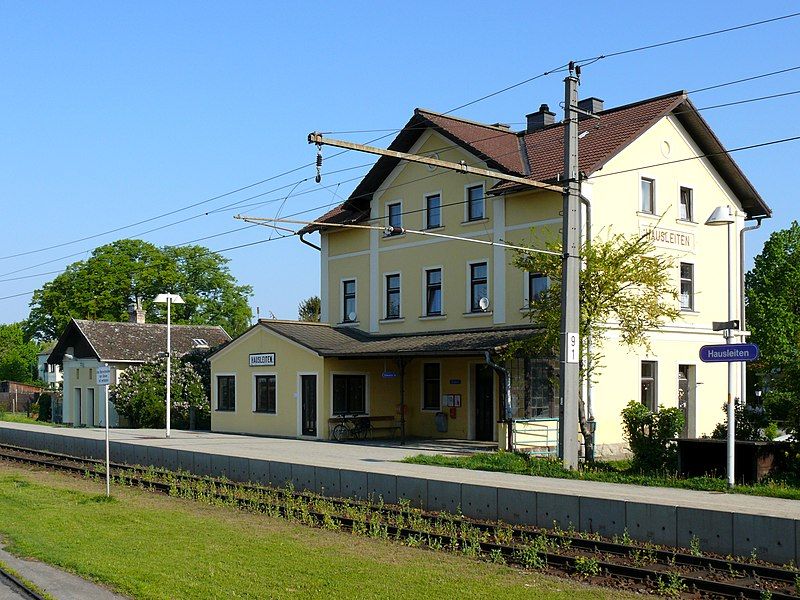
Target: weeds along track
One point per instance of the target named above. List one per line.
(10, 581)
(622, 563)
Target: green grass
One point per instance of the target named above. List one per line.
(609, 472)
(151, 546)
(22, 418)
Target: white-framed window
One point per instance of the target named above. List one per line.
(433, 292)
(265, 393)
(535, 285)
(478, 285)
(476, 203)
(431, 386)
(394, 215)
(433, 211)
(349, 314)
(649, 382)
(687, 286)
(392, 295)
(349, 393)
(225, 387)
(686, 206)
(647, 202)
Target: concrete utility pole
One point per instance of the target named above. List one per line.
(570, 303)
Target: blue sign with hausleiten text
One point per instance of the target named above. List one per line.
(729, 353)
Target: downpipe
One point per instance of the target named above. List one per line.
(506, 374)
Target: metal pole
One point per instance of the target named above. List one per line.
(570, 304)
(169, 361)
(731, 404)
(742, 298)
(108, 452)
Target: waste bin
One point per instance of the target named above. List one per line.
(441, 422)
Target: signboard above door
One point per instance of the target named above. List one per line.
(266, 359)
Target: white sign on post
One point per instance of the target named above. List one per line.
(103, 375)
(573, 349)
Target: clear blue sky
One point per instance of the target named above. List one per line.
(116, 112)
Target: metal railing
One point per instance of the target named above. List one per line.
(537, 437)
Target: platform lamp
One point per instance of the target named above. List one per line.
(723, 215)
(169, 300)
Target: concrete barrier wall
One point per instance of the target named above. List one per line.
(770, 538)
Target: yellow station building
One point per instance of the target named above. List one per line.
(413, 327)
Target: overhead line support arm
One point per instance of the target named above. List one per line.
(320, 140)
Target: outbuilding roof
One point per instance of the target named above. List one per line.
(539, 155)
(348, 342)
(109, 341)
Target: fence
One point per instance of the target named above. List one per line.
(536, 436)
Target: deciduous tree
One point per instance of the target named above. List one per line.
(624, 281)
(18, 355)
(102, 286)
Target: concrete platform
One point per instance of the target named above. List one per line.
(670, 516)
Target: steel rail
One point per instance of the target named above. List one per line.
(15, 583)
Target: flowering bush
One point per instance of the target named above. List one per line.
(141, 391)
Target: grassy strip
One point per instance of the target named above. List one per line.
(151, 546)
(26, 582)
(12, 417)
(608, 472)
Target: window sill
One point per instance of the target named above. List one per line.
(347, 324)
(265, 412)
(687, 222)
(476, 221)
(690, 311)
(432, 317)
(437, 228)
(648, 215)
(225, 410)
(396, 320)
(482, 313)
(431, 410)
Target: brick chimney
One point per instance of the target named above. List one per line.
(135, 312)
(540, 119)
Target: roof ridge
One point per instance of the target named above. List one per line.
(645, 101)
(294, 322)
(147, 324)
(463, 120)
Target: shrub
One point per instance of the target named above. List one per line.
(141, 390)
(750, 421)
(45, 408)
(648, 434)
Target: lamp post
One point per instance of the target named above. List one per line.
(169, 300)
(723, 215)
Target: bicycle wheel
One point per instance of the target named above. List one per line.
(361, 429)
(340, 432)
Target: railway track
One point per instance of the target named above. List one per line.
(667, 571)
(17, 586)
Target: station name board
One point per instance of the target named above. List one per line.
(669, 238)
(262, 360)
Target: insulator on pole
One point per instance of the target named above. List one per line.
(318, 178)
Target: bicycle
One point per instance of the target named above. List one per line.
(351, 428)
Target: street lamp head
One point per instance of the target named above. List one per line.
(172, 298)
(722, 215)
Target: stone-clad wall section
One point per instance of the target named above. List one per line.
(774, 539)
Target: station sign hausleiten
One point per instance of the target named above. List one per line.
(729, 353)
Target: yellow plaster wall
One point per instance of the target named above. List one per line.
(290, 359)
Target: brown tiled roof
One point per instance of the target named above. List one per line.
(131, 342)
(502, 149)
(330, 341)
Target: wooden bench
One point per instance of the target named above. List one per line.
(376, 422)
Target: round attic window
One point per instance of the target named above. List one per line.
(665, 149)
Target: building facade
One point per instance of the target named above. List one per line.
(413, 327)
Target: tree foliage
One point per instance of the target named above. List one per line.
(140, 394)
(773, 316)
(18, 355)
(624, 282)
(310, 309)
(102, 287)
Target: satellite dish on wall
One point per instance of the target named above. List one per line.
(351, 316)
(483, 303)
